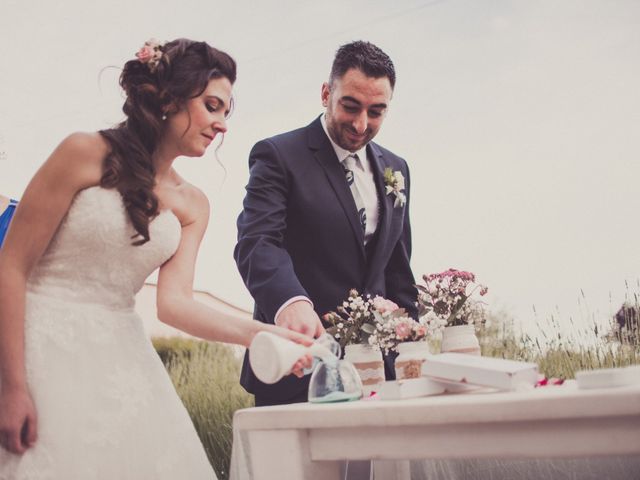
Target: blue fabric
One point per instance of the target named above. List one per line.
(5, 219)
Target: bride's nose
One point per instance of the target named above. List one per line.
(220, 126)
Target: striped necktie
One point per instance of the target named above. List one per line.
(349, 165)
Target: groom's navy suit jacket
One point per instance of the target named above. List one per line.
(299, 234)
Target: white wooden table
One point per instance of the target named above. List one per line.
(309, 441)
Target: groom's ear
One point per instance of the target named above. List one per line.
(324, 94)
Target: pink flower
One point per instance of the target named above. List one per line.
(452, 272)
(145, 53)
(445, 294)
(383, 305)
(421, 331)
(403, 330)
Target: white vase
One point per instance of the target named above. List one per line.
(460, 339)
(411, 356)
(369, 364)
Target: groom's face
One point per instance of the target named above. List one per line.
(356, 106)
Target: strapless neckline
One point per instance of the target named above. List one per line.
(113, 191)
(91, 257)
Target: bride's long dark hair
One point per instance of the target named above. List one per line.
(183, 72)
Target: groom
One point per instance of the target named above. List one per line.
(318, 218)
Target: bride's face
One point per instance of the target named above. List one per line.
(194, 126)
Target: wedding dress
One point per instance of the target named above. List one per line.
(106, 406)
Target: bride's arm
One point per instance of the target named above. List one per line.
(74, 165)
(175, 302)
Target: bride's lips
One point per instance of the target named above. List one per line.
(209, 137)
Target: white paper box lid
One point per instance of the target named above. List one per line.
(486, 371)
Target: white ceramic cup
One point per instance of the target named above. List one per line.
(272, 357)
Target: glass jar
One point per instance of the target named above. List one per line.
(325, 340)
(334, 380)
(369, 364)
(411, 356)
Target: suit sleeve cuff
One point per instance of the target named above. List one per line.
(289, 302)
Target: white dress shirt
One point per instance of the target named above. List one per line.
(364, 181)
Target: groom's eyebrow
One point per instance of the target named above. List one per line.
(347, 98)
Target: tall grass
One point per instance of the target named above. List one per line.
(206, 377)
(559, 355)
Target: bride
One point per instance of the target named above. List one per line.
(83, 395)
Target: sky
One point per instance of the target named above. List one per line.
(520, 122)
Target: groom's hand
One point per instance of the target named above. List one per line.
(300, 317)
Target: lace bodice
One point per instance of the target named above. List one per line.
(91, 258)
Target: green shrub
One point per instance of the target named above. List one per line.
(171, 348)
(206, 377)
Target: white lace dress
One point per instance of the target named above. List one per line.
(106, 406)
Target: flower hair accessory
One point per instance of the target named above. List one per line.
(150, 54)
(394, 185)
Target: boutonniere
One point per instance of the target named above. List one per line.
(394, 185)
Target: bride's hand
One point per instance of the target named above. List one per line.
(305, 361)
(18, 421)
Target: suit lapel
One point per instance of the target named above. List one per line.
(386, 209)
(326, 157)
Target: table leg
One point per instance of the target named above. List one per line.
(284, 454)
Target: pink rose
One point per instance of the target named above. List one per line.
(403, 330)
(145, 54)
(383, 305)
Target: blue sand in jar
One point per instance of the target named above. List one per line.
(336, 397)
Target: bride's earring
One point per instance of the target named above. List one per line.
(164, 117)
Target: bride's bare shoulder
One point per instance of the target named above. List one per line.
(81, 155)
(196, 197)
(88, 144)
(187, 201)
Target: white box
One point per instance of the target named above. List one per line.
(486, 371)
(410, 388)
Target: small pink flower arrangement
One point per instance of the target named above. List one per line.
(393, 331)
(374, 321)
(150, 54)
(445, 300)
(356, 319)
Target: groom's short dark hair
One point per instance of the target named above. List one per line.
(367, 58)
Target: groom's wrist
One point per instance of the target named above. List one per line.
(297, 298)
